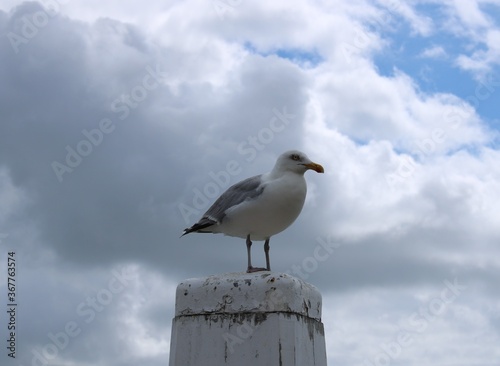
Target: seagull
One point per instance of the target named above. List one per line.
(261, 206)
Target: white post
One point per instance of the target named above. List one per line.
(241, 319)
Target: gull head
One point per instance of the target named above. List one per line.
(297, 162)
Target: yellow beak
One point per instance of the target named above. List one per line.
(316, 167)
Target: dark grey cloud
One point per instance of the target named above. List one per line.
(140, 156)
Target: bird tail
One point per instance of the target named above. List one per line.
(204, 223)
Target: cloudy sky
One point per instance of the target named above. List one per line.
(120, 123)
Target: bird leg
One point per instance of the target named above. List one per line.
(249, 254)
(251, 269)
(266, 251)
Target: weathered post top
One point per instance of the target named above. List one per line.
(261, 318)
(259, 292)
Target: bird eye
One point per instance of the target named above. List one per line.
(295, 157)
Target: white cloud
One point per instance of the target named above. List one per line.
(469, 13)
(420, 23)
(415, 328)
(434, 52)
(482, 61)
(470, 20)
(393, 108)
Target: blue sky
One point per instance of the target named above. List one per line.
(440, 72)
(117, 116)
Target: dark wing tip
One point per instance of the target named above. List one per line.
(189, 230)
(199, 226)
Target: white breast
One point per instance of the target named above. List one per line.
(272, 212)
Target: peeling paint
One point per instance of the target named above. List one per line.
(235, 319)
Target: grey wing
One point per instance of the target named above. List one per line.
(247, 189)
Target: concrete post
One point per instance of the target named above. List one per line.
(244, 319)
